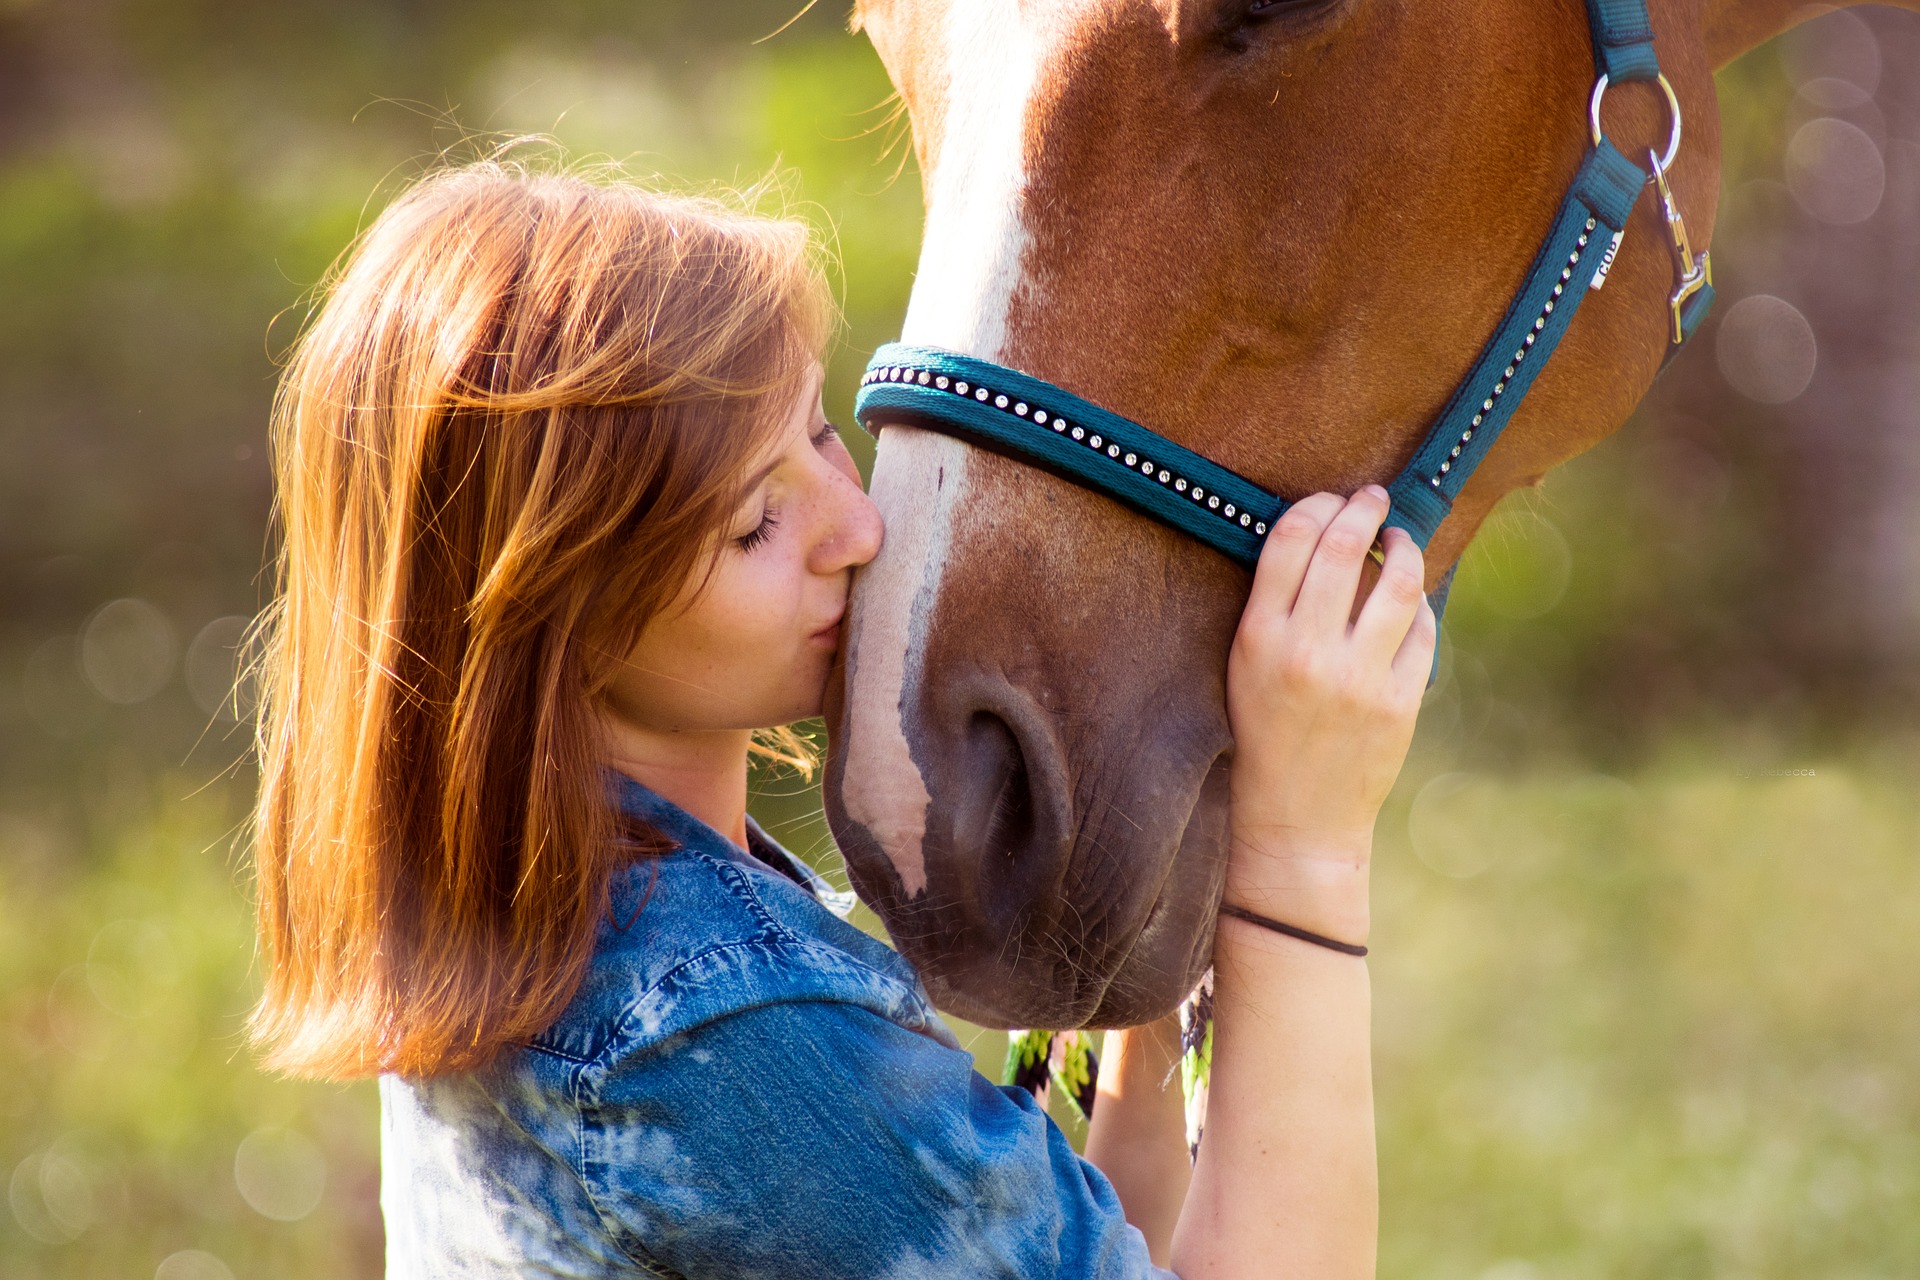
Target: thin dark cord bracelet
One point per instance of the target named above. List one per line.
(1318, 940)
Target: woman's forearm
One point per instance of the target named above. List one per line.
(1138, 1134)
(1287, 1183)
(1321, 699)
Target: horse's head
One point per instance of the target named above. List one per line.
(1277, 231)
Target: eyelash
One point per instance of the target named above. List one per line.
(754, 537)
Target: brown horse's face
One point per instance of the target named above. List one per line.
(1277, 237)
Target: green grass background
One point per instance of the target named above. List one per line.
(1647, 977)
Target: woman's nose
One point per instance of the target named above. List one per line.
(855, 529)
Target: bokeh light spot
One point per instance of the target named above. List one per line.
(1837, 46)
(128, 651)
(192, 1264)
(1511, 1269)
(29, 1204)
(1445, 830)
(1836, 172)
(1831, 93)
(213, 668)
(280, 1174)
(67, 1187)
(1766, 349)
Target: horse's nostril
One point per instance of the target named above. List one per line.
(1011, 806)
(1005, 813)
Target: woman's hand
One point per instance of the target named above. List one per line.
(1322, 705)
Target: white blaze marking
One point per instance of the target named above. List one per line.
(969, 270)
(882, 788)
(970, 254)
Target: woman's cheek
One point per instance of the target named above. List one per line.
(759, 623)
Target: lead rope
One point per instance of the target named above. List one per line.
(1196, 1059)
(1039, 1059)
(1036, 1059)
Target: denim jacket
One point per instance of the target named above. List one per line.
(744, 1086)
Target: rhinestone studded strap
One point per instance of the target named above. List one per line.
(1044, 426)
(1563, 273)
(1050, 427)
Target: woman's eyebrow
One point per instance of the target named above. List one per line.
(753, 481)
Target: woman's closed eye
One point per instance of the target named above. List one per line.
(756, 536)
(825, 438)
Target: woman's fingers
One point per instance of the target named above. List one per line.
(1395, 600)
(1309, 573)
(1333, 577)
(1413, 661)
(1288, 551)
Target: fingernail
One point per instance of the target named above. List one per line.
(1378, 492)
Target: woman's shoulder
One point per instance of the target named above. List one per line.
(700, 933)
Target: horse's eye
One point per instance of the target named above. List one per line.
(1272, 8)
(1245, 24)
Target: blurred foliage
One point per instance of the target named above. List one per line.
(177, 178)
(174, 180)
(1657, 1024)
(132, 1126)
(1747, 548)
(1641, 989)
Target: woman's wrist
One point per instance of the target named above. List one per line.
(1324, 890)
(1230, 912)
(1346, 922)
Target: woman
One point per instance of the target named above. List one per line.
(563, 530)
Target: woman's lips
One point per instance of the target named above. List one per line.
(830, 634)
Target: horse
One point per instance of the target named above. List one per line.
(1278, 231)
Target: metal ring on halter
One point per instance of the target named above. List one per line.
(1673, 113)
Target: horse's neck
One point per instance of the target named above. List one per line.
(1732, 27)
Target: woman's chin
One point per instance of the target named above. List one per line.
(808, 700)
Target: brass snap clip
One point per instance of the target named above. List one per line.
(1691, 272)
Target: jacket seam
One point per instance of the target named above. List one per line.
(618, 1039)
(732, 872)
(536, 1046)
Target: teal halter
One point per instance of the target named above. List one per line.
(1045, 426)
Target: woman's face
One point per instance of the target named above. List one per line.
(754, 647)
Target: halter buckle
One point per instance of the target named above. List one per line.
(1692, 272)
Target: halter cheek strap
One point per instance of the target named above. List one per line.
(1623, 39)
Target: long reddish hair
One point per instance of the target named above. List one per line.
(515, 429)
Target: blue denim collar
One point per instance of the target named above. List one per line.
(688, 832)
(637, 800)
